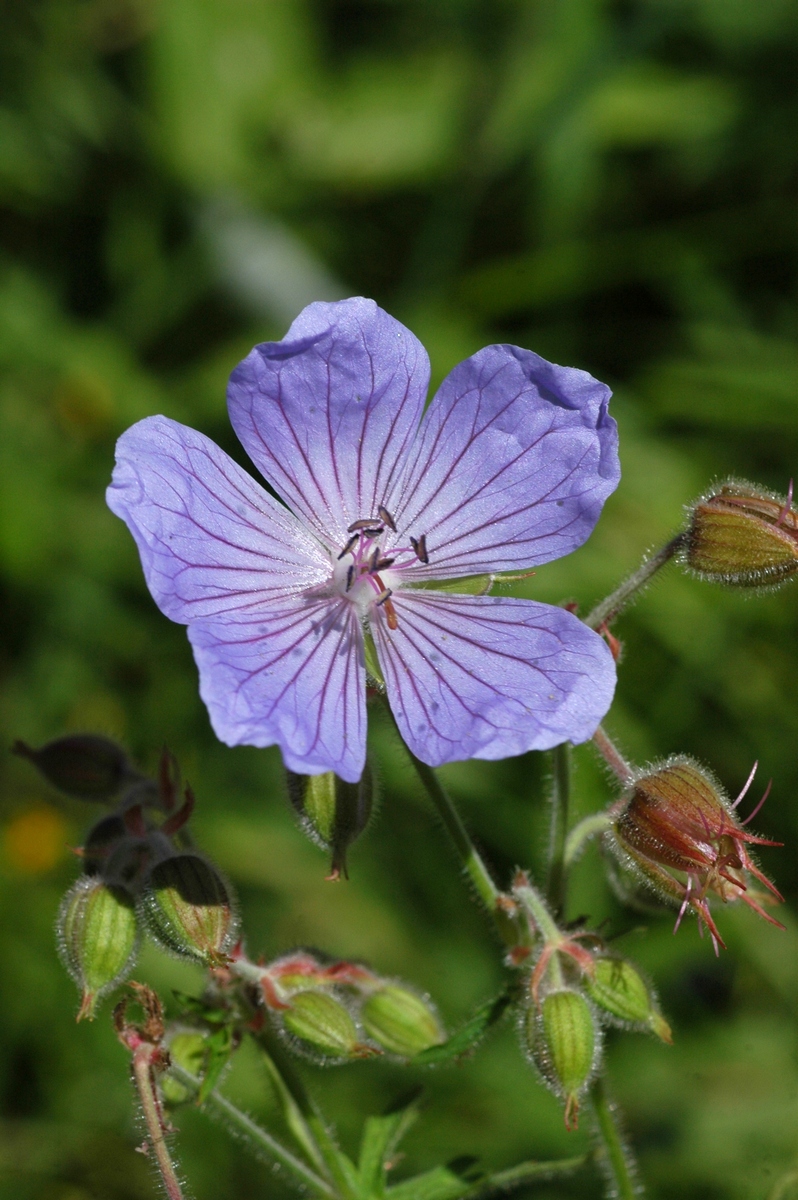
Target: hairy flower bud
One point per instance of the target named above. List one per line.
(333, 813)
(324, 1025)
(401, 1021)
(189, 908)
(618, 989)
(84, 765)
(565, 1043)
(743, 535)
(677, 822)
(97, 938)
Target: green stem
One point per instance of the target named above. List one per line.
(582, 833)
(556, 881)
(254, 1134)
(526, 1172)
(618, 1161)
(606, 612)
(142, 1066)
(297, 1105)
(782, 1187)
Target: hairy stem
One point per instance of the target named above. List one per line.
(557, 879)
(144, 1079)
(523, 1173)
(612, 756)
(589, 828)
(298, 1108)
(608, 609)
(618, 1163)
(251, 1132)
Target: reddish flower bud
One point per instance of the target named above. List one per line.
(681, 833)
(743, 535)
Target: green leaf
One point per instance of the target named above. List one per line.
(468, 1035)
(198, 1008)
(381, 1136)
(220, 1046)
(440, 1183)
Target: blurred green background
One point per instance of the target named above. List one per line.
(609, 182)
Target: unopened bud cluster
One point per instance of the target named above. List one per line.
(136, 875)
(341, 1010)
(743, 535)
(576, 987)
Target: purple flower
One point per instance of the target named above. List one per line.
(508, 468)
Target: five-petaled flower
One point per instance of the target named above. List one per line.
(507, 469)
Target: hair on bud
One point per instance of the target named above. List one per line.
(332, 812)
(743, 535)
(322, 1026)
(98, 938)
(401, 1021)
(190, 909)
(563, 1039)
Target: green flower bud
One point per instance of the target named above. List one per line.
(84, 765)
(189, 1050)
(401, 1021)
(97, 939)
(332, 812)
(743, 535)
(189, 909)
(325, 1025)
(618, 988)
(565, 1043)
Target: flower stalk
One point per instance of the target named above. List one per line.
(560, 801)
(621, 1169)
(608, 609)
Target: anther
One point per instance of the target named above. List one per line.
(350, 577)
(348, 546)
(383, 596)
(420, 547)
(384, 564)
(386, 517)
(374, 531)
(356, 526)
(374, 560)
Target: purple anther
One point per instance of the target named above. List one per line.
(350, 576)
(373, 560)
(386, 517)
(374, 531)
(420, 547)
(356, 526)
(383, 596)
(384, 564)
(348, 546)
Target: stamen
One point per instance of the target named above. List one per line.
(420, 547)
(348, 546)
(751, 816)
(747, 784)
(374, 532)
(386, 517)
(375, 558)
(384, 564)
(383, 596)
(350, 577)
(787, 505)
(356, 526)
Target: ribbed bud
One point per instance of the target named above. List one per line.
(743, 535)
(84, 765)
(324, 1025)
(618, 989)
(188, 1049)
(678, 822)
(189, 909)
(97, 938)
(401, 1021)
(332, 812)
(564, 1040)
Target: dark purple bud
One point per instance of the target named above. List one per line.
(84, 764)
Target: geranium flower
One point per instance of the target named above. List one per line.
(508, 468)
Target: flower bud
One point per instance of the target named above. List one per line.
(678, 822)
(743, 535)
(324, 1024)
(401, 1021)
(97, 938)
(332, 812)
(189, 1049)
(565, 1043)
(84, 765)
(189, 909)
(101, 841)
(618, 988)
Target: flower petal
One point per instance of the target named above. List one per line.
(491, 676)
(293, 676)
(327, 415)
(211, 539)
(514, 460)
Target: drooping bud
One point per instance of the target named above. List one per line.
(618, 989)
(97, 938)
(565, 1042)
(332, 812)
(84, 765)
(324, 1025)
(743, 535)
(189, 1050)
(677, 821)
(101, 841)
(189, 909)
(401, 1021)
